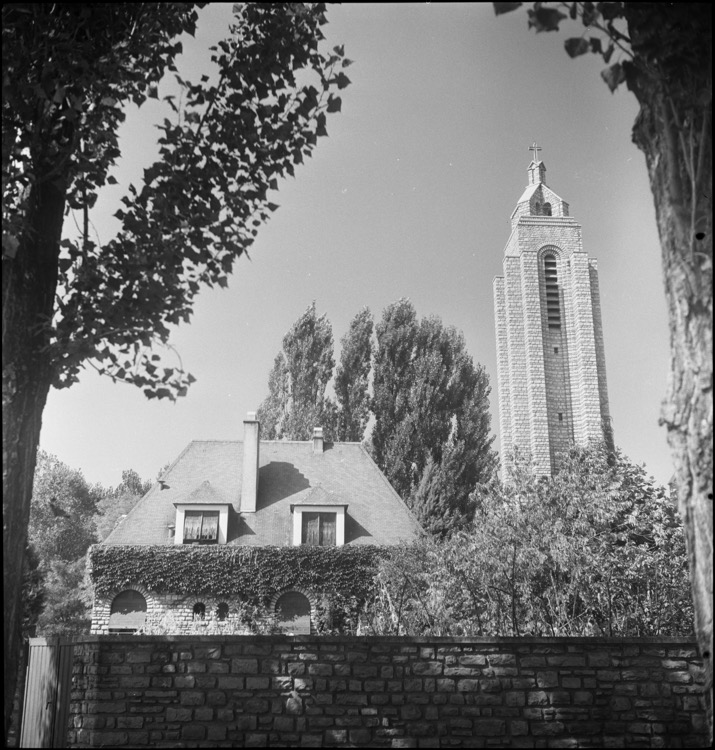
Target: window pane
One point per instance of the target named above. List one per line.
(311, 528)
(327, 535)
(209, 530)
(192, 524)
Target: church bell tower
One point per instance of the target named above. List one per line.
(551, 367)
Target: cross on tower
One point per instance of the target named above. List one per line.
(535, 149)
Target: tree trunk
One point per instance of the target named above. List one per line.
(29, 282)
(673, 129)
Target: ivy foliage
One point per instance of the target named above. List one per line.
(255, 574)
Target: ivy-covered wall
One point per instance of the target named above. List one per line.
(336, 580)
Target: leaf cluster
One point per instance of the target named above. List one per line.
(602, 18)
(69, 73)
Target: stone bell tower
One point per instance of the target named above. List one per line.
(551, 367)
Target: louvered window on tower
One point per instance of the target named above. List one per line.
(553, 308)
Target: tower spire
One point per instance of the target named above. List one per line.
(537, 168)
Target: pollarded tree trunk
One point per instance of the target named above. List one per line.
(29, 282)
(673, 129)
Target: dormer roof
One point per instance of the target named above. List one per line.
(203, 494)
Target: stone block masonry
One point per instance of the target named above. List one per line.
(352, 691)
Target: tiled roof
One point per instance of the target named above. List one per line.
(290, 473)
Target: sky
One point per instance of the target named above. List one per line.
(409, 196)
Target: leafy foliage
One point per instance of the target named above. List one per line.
(604, 18)
(116, 503)
(301, 372)
(67, 515)
(200, 203)
(351, 379)
(343, 574)
(430, 403)
(431, 434)
(598, 549)
(62, 512)
(68, 599)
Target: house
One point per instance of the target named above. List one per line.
(301, 507)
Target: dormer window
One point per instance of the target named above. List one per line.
(318, 529)
(319, 525)
(201, 523)
(201, 527)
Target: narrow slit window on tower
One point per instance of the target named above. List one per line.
(556, 350)
(561, 417)
(553, 307)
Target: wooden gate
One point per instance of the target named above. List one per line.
(47, 692)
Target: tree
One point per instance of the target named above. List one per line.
(431, 434)
(666, 63)
(301, 372)
(596, 549)
(68, 72)
(62, 524)
(430, 403)
(62, 527)
(352, 379)
(67, 606)
(115, 503)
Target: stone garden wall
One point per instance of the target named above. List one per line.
(307, 691)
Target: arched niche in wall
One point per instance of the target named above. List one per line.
(128, 612)
(293, 610)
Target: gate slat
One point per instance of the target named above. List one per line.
(47, 692)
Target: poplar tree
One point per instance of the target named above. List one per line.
(301, 372)
(431, 435)
(352, 379)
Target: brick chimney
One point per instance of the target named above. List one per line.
(317, 440)
(249, 482)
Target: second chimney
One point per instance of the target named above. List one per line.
(317, 440)
(249, 480)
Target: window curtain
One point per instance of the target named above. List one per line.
(210, 528)
(327, 535)
(192, 525)
(311, 528)
(319, 529)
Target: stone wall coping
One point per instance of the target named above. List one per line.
(507, 641)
